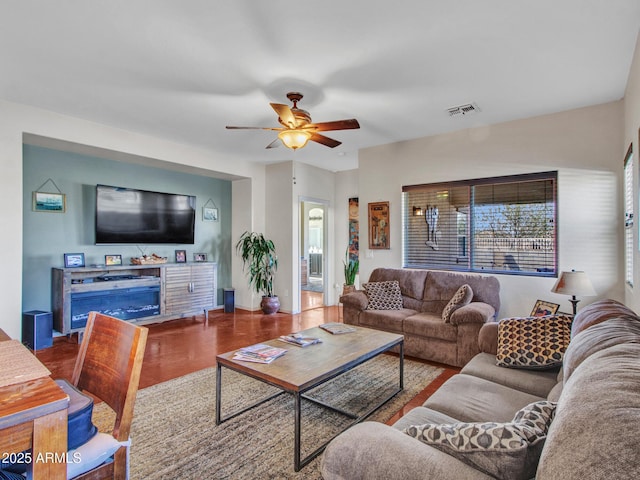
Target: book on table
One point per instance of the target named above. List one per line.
(299, 339)
(337, 328)
(259, 353)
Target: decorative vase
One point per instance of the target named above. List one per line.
(270, 305)
(348, 289)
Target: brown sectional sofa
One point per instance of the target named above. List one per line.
(425, 293)
(594, 433)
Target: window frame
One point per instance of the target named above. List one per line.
(628, 205)
(471, 265)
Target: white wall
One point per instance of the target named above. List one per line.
(346, 188)
(584, 145)
(15, 120)
(316, 185)
(631, 133)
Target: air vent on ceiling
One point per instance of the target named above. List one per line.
(466, 109)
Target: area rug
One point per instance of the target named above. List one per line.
(174, 434)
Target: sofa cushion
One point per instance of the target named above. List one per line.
(601, 311)
(461, 298)
(596, 433)
(533, 342)
(441, 286)
(383, 295)
(389, 320)
(508, 450)
(430, 326)
(473, 399)
(598, 337)
(420, 415)
(535, 382)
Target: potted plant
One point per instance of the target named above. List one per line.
(259, 256)
(350, 270)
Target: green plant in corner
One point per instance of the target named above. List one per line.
(351, 267)
(258, 255)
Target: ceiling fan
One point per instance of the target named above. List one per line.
(297, 128)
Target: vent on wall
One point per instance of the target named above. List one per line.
(466, 109)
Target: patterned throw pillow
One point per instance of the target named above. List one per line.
(502, 450)
(461, 298)
(383, 295)
(533, 342)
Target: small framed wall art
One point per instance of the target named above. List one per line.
(49, 202)
(210, 211)
(73, 260)
(542, 308)
(181, 256)
(209, 214)
(112, 260)
(199, 257)
(379, 225)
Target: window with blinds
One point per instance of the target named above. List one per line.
(628, 217)
(500, 224)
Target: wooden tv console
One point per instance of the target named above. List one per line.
(176, 289)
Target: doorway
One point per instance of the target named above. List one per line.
(313, 254)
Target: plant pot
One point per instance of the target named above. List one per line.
(348, 289)
(270, 305)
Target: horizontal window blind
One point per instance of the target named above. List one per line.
(502, 224)
(628, 224)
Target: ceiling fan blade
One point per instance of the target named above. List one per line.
(336, 125)
(230, 127)
(285, 114)
(329, 142)
(274, 144)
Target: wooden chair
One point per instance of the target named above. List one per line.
(108, 367)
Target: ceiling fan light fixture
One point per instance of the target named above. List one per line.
(294, 139)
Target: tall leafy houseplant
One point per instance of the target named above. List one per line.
(259, 257)
(351, 267)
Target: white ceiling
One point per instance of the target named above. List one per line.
(184, 69)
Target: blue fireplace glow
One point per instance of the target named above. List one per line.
(122, 303)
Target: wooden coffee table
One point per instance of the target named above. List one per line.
(302, 369)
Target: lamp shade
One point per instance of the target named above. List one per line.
(294, 139)
(574, 283)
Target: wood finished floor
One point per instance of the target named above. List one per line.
(186, 345)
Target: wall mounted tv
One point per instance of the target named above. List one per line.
(127, 215)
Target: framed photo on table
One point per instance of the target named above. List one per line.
(113, 260)
(73, 260)
(181, 256)
(542, 308)
(379, 225)
(199, 257)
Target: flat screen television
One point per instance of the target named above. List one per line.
(127, 215)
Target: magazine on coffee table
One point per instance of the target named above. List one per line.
(299, 339)
(259, 353)
(337, 328)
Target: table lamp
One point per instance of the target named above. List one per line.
(574, 283)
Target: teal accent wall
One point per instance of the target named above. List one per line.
(48, 236)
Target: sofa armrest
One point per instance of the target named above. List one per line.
(488, 338)
(474, 312)
(357, 300)
(372, 450)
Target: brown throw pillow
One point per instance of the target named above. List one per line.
(383, 295)
(461, 298)
(533, 342)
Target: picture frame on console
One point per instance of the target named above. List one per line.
(181, 256)
(542, 308)
(199, 257)
(112, 260)
(73, 260)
